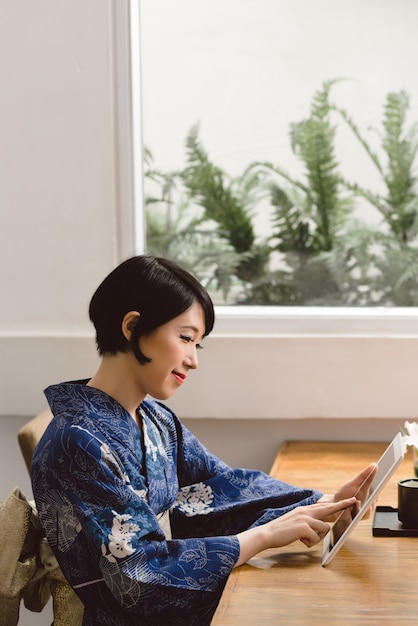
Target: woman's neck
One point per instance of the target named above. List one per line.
(114, 377)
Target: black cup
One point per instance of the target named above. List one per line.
(408, 502)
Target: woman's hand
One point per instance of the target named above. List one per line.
(358, 486)
(304, 523)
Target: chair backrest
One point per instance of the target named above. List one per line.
(67, 607)
(29, 435)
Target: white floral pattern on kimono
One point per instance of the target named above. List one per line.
(123, 531)
(195, 499)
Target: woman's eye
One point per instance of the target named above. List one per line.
(188, 339)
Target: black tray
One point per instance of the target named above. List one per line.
(386, 524)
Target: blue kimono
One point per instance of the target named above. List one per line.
(102, 486)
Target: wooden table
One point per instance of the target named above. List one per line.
(372, 580)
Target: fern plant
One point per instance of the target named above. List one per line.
(309, 215)
(177, 230)
(208, 185)
(397, 236)
(316, 252)
(399, 204)
(227, 204)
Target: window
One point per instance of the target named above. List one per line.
(271, 177)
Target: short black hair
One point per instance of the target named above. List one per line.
(157, 288)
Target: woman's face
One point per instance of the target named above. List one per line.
(172, 349)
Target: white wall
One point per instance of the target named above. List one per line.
(58, 191)
(57, 155)
(58, 202)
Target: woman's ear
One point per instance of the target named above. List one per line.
(128, 323)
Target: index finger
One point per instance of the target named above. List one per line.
(322, 510)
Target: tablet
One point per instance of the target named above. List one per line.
(343, 525)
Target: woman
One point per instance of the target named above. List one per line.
(146, 524)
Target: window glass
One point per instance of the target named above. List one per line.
(280, 141)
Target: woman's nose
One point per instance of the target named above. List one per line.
(191, 359)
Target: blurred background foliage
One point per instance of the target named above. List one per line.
(319, 251)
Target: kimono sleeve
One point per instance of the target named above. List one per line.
(215, 498)
(108, 541)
